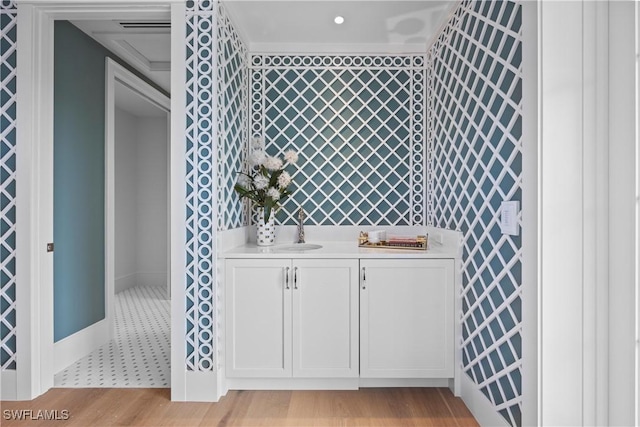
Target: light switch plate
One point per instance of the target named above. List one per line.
(509, 218)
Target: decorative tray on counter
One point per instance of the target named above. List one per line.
(418, 243)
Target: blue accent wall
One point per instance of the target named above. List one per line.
(79, 180)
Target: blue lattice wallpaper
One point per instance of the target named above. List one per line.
(475, 128)
(358, 123)
(232, 121)
(216, 150)
(201, 208)
(8, 39)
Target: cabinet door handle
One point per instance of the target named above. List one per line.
(286, 278)
(364, 278)
(295, 278)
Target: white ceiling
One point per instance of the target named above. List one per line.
(133, 103)
(148, 50)
(302, 26)
(369, 26)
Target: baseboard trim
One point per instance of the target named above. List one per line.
(403, 382)
(72, 348)
(152, 279)
(329, 383)
(9, 381)
(139, 278)
(479, 405)
(123, 283)
(292, 383)
(201, 386)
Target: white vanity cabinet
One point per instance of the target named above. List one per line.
(258, 318)
(291, 318)
(406, 318)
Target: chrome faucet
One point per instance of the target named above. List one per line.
(300, 226)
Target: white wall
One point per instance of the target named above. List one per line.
(622, 214)
(561, 205)
(151, 233)
(141, 201)
(125, 200)
(587, 206)
(530, 214)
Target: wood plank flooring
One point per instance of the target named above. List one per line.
(393, 407)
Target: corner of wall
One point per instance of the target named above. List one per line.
(221, 144)
(481, 408)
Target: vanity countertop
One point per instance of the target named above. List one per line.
(336, 249)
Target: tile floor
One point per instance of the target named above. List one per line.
(139, 356)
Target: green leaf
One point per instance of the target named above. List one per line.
(240, 189)
(273, 182)
(249, 194)
(267, 211)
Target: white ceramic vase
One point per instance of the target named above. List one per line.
(265, 233)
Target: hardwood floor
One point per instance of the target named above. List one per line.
(151, 407)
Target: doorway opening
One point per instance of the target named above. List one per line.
(35, 371)
(137, 118)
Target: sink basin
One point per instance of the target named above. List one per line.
(298, 247)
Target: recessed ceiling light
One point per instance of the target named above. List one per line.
(338, 19)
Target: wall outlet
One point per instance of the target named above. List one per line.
(509, 218)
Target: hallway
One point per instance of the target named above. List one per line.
(138, 356)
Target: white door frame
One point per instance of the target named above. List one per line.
(34, 222)
(117, 73)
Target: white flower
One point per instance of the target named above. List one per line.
(272, 163)
(273, 193)
(284, 180)
(291, 156)
(260, 182)
(257, 157)
(244, 181)
(257, 143)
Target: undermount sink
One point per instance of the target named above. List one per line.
(296, 247)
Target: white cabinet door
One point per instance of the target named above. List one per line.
(258, 318)
(406, 318)
(325, 318)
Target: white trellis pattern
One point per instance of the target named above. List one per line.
(232, 121)
(8, 20)
(475, 128)
(201, 201)
(357, 122)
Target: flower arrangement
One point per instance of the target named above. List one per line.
(267, 183)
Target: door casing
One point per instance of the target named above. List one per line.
(34, 222)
